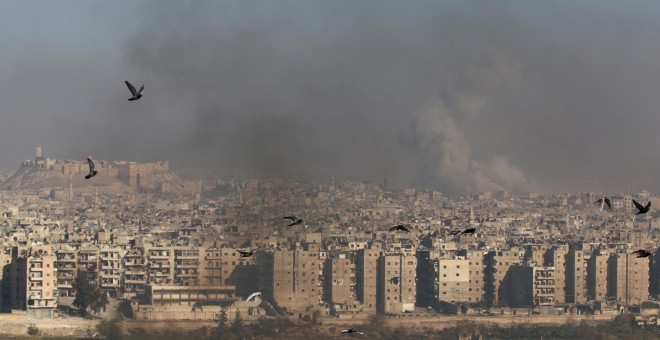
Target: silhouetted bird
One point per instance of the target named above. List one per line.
(136, 94)
(642, 209)
(469, 231)
(92, 170)
(294, 220)
(604, 201)
(247, 253)
(351, 330)
(253, 295)
(641, 253)
(400, 227)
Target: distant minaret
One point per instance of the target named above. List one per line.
(471, 217)
(70, 188)
(37, 151)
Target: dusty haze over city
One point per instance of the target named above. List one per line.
(462, 96)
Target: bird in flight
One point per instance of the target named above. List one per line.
(642, 209)
(604, 201)
(246, 253)
(351, 330)
(253, 295)
(641, 253)
(92, 170)
(294, 220)
(400, 227)
(136, 94)
(469, 231)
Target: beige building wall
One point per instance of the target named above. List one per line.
(628, 278)
(110, 270)
(597, 277)
(297, 278)
(544, 286)
(503, 260)
(342, 276)
(397, 277)
(454, 280)
(558, 256)
(576, 277)
(66, 270)
(367, 278)
(476, 276)
(40, 282)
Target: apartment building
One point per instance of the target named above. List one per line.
(397, 291)
(576, 276)
(454, 280)
(110, 270)
(476, 276)
(66, 259)
(628, 278)
(160, 265)
(187, 266)
(367, 278)
(597, 271)
(41, 282)
(298, 278)
(340, 280)
(134, 279)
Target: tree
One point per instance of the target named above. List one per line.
(88, 295)
(222, 320)
(110, 330)
(237, 324)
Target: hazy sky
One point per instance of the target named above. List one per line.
(462, 96)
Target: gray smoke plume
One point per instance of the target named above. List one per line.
(460, 96)
(271, 97)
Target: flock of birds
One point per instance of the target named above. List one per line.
(641, 209)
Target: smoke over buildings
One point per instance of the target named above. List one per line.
(459, 96)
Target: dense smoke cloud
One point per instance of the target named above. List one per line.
(340, 100)
(460, 96)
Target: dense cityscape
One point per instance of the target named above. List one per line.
(159, 254)
(374, 169)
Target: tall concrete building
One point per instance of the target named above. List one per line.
(66, 270)
(41, 282)
(160, 262)
(557, 257)
(397, 289)
(187, 265)
(597, 276)
(476, 276)
(367, 278)
(497, 266)
(134, 279)
(526, 286)
(654, 287)
(454, 280)
(517, 287)
(576, 277)
(341, 282)
(628, 278)
(110, 270)
(298, 278)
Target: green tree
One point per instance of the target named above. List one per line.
(110, 330)
(222, 320)
(237, 324)
(88, 295)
